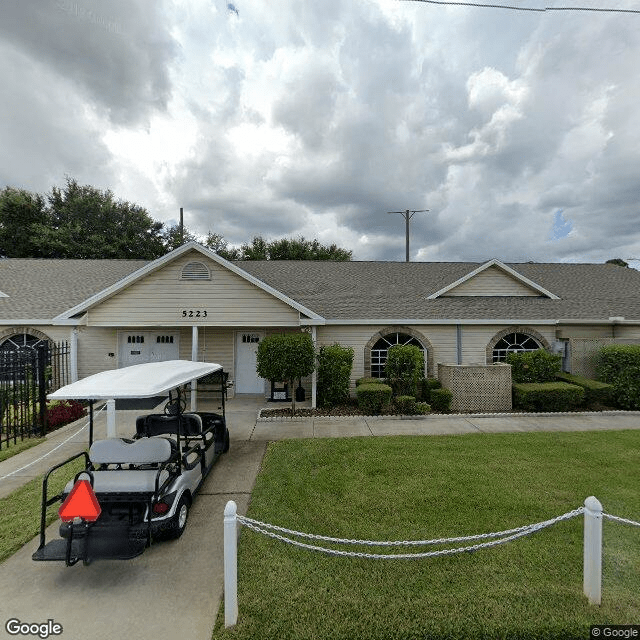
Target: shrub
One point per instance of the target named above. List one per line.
(360, 381)
(373, 398)
(534, 366)
(595, 392)
(286, 357)
(334, 374)
(426, 386)
(547, 396)
(404, 369)
(61, 412)
(440, 399)
(619, 366)
(405, 405)
(422, 408)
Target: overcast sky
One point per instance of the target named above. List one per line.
(519, 131)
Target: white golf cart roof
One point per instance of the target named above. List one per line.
(138, 381)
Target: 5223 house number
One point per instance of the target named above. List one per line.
(194, 313)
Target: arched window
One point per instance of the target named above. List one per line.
(380, 348)
(20, 342)
(514, 342)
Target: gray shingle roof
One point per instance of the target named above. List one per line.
(387, 290)
(41, 289)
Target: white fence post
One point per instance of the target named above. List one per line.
(230, 565)
(593, 550)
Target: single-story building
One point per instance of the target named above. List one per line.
(193, 304)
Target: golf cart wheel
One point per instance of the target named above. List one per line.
(178, 523)
(225, 447)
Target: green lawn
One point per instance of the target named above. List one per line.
(20, 510)
(403, 488)
(10, 449)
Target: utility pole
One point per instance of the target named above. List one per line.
(408, 214)
(181, 227)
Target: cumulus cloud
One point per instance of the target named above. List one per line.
(315, 119)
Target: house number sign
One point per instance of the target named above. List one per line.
(194, 313)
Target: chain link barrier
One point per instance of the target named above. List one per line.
(505, 536)
(619, 519)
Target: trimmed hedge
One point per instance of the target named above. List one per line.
(547, 396)
(360, 381)
(534, 366)
(405, 405)
(594, 391)
(426, 386)
(373, 398)
(619, 366)
(334, 374)
(440, 399)
(404, 369)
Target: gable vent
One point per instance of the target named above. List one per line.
(195, 271)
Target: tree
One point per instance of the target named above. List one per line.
(174, 238)
(217, 243)
(85, 222)
(292, 249)
(286, 357)
(617, 261)
(20, 213)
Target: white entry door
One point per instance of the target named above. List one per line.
(247, 379)
(136, 347)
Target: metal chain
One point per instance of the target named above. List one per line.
(618, 519)
(521, 532)
(399, 543)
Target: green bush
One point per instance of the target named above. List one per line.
(440, 399)
(373, 398)
(404, 369)
(286, 357)
(422, 408)
(534, 366)
(334, 374)
(405, 405)
(619, 366)
(426, 386)
(595, 392)
(360, 381)
(547, 396)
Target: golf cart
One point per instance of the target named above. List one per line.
(139, 489)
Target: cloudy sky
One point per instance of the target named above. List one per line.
(517, 130)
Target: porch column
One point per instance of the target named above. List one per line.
(314, 375)
(194, 358)
(74, 354)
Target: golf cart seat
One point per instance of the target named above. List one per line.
(143, 457)
(156, 424)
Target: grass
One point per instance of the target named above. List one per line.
(404, 488)
(20, 510)
(10, 449)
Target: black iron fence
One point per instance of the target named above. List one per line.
(26, 376)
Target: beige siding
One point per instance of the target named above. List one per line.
(161, 298)
(94, 346)
(55, 334)
(492, 282)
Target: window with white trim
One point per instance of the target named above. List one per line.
(514, 343)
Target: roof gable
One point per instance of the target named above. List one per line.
(493, 278)
(162, 262)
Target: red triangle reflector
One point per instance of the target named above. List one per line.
(80, 503)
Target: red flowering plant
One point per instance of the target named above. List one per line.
(61, 412)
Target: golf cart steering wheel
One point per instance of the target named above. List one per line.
(171, 407)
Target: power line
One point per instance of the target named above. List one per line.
(516, 8)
